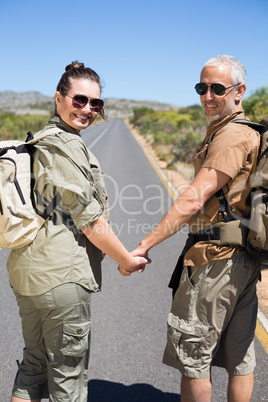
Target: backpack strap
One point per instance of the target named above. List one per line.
(261, 128)
(209, 141)
(31, 140)
(51, 206)
(225, 209)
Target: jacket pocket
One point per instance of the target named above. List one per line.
(75, 339)
(188, 339)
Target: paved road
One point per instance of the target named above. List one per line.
(129, 315)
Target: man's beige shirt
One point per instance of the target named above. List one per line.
(233, 151)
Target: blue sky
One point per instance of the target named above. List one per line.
(142, 50)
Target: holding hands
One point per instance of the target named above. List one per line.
(140, 255)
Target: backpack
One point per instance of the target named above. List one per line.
(251, 232)
(19, 221)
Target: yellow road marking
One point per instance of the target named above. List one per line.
(262, 336)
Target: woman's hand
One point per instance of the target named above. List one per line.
(138, 253)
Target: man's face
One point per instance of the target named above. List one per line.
(215, 106)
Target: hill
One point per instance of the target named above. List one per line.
(34, 103)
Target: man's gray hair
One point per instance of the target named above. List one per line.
(238, 72)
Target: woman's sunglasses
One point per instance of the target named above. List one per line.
(80, 101)
(218, 89)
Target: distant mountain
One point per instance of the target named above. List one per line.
(25, 103)
(36, 103)
(123, 108)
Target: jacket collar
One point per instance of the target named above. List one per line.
(61, 124)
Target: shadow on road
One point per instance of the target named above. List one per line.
(106, 391)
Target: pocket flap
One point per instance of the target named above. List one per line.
(78, 330)
(195, 327)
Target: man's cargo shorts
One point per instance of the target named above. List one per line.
(213, 318)
(56, 332)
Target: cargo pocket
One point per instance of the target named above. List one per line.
(186, 339)
(75, 339)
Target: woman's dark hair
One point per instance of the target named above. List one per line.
(77, 70)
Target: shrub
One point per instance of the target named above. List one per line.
(186, 146)
(138, 113)
(256, 105)
(15, 127)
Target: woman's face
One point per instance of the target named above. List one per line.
(81, 118)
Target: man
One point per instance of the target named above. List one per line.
(213, 315)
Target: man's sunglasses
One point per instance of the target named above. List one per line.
(218, 89)
(80, 101)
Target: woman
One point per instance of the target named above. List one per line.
(54, 276)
